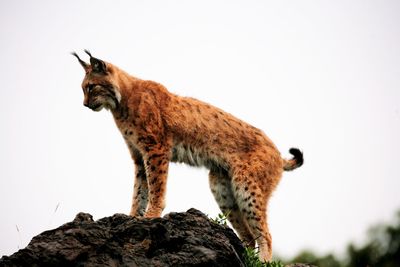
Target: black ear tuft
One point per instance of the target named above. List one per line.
(87, 52)
(98, 65)
(83, 63)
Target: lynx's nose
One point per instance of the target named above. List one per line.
(86, 103)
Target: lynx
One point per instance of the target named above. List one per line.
(160, 127)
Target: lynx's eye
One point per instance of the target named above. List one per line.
(90, 87)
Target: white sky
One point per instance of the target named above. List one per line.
(323, 76)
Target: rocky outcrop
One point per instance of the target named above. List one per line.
(177, 239)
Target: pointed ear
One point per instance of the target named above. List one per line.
(83, 63)
(98, 65)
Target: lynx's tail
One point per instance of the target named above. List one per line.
(295, 162)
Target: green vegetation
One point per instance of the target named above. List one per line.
(250, 256)
(381, 250)
(221, 219)
(251, 260)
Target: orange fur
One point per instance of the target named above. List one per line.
(159, 127)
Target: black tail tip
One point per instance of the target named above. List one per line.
(298, 156)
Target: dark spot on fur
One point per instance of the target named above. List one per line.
(155, 155)
(226, 122)
(217, 142)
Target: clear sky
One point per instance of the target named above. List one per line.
(323, 76)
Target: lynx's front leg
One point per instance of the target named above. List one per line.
(151, 172)
(156, 165)
(140, 190)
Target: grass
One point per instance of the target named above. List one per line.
(251, 259)
(221, 219)
(250, 255)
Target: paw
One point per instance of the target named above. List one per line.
(153, 213)
(136, 213)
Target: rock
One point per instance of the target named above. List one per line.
(300, 265)
(177, 239)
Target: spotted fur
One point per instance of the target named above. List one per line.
(160, 127)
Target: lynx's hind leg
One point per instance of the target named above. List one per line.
(252, 202)
(221, 188)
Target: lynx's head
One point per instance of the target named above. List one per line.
(99, 86)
